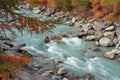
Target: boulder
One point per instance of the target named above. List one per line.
(46, 39)
(105, 42)
(109, 54)
(62, 71)
(91, 37)
(81, 34)
(110, 28)
(99, 35)
(87, 27)
(98, 26)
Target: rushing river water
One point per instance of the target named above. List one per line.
(78, 56)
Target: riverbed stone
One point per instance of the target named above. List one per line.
(87, 27)
(46, 39)
(77, 24)
(48, 73)
(73, 20)
(98, 26)
(105, 42)
(109, 34)
(62, 71)
(97, 43)
(118, 32)
(109, 54)
(110, 28)
(118, 45)
(91, 37)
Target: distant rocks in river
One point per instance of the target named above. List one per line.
(55, 37)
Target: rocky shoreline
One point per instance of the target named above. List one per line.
(101, 32)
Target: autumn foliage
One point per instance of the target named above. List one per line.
(105, 9)
(9, 65)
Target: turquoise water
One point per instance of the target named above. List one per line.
(75, 53)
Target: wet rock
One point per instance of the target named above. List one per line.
(46, 39)
(62, 71)
(91, 37)
(110, 28)
(105, 42)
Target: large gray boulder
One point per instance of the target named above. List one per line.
(105, 41)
